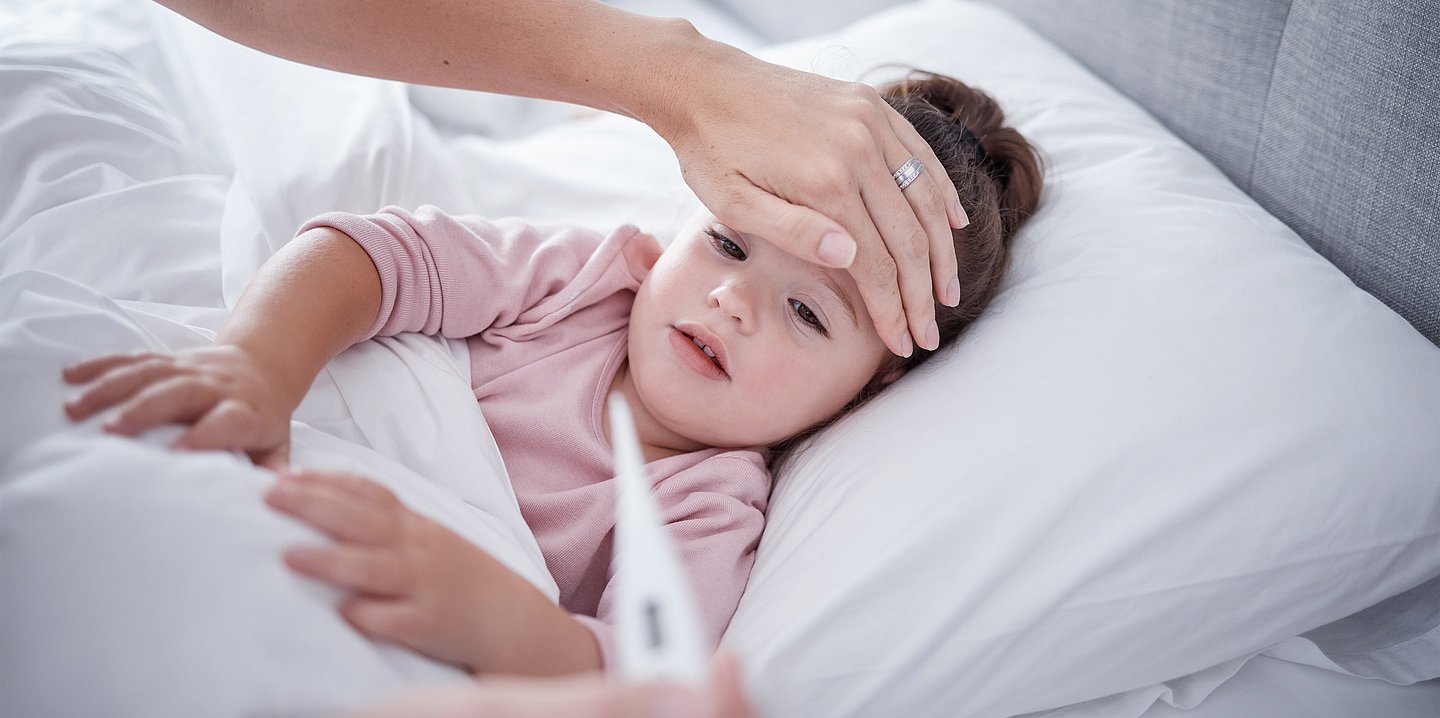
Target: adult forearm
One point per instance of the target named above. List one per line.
(578, 51)
(316, 297)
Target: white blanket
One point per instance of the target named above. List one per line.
(137, 581)
(138, 568)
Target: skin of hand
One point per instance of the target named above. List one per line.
(588, 696)
(805, 161)
(309, 302)
(226, 396)
(786, 155)
(416, 583)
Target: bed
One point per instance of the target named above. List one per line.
(1187, 466)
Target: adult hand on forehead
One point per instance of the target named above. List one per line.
(806, 162)
(798, 159)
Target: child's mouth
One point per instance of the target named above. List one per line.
(698, 355)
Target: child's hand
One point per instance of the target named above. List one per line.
(415, 582)
(225, 396)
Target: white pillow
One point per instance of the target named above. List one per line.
(1179, 437)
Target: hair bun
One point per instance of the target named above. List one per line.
(966, 129)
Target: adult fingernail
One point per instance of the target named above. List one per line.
(907, 346)
(952, 293)
(932, 337)
(836, 250)
(960, 219)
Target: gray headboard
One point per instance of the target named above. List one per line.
(1325, 111)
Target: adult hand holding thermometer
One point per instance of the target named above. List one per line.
(658, 622)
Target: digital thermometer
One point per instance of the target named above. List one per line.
(657, 620)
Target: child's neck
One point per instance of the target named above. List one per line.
(656, 441)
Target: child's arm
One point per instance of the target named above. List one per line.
(417, 583)
(313, 299)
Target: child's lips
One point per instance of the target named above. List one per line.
(710, 339)
(695, 358)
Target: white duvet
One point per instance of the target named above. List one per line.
(141, 582)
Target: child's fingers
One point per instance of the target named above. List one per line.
(229, 424)
(338, 513)
(276, 459)
(87, 370)
(364, 569)
(360, 486)
(392, 621)
(118, 385)
(178, 399)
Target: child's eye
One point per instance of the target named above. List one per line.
(807, 315)
(725, 245)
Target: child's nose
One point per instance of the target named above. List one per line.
(733, 300)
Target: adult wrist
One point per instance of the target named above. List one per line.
(675, 66)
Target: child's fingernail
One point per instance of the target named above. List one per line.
(952, 293)
(836, 250)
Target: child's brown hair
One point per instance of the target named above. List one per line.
(998, 176)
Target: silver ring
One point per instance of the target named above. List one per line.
(907, 172)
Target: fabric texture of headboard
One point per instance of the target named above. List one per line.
(1326, 112)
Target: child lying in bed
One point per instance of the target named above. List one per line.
(728, 350)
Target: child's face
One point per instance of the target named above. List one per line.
(791, 339)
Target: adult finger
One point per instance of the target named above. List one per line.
(177, 400)
(87, 370)
(336, 512)
(909, 242)
(364, 569)
(933, 198)
(117, 385)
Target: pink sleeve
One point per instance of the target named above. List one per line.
(458, 276)
(716, 512)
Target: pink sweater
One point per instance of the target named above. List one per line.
(546, 312)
